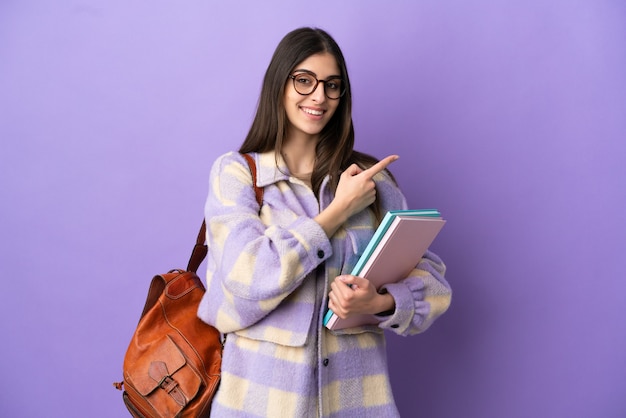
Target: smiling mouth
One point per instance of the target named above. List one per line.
(312, 112)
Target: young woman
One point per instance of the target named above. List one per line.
(273, 270)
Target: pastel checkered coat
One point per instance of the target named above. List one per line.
(268, 278)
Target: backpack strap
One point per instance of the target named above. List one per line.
(200, 250)
(258, 191)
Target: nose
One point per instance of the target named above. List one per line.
(318, 94)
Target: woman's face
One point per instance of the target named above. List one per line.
(308, 114)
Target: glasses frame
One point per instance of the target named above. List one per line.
(341, 93)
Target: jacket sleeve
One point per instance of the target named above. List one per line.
(420, 298)
(252, 267)
(425, 294)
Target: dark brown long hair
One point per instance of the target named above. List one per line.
(334, 151)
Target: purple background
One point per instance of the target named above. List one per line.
(510, 117)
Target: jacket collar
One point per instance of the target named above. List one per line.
(269, 168)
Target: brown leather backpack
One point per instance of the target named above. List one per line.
(172, 365)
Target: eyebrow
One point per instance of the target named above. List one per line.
(304, 70)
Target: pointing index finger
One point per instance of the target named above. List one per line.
(380, 166)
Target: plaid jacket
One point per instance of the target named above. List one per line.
(268, 279)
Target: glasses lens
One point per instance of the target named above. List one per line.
(333, 88)
(304, 83)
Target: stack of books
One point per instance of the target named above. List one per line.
(396, 248)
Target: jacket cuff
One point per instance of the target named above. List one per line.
(400, 320)
(311, 235)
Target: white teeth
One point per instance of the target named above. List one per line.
(313, 112)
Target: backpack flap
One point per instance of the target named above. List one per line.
(164, 378)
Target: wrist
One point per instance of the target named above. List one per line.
(331, 219)
(386, 304)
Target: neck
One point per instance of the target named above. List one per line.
(299, 155)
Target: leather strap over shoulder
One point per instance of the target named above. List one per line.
(200, 249)
(258, 191)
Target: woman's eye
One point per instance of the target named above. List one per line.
(303, 80)
(333, 84)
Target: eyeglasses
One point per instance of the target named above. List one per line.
(306, 83)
